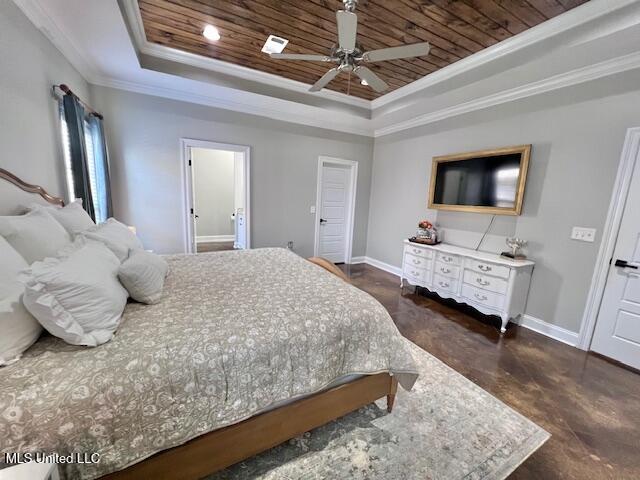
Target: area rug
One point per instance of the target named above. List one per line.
(445, 428)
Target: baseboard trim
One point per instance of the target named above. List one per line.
(215, 238)
(548, 329)
(355, 260)
(397, 271)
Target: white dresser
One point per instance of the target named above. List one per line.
(490, 283)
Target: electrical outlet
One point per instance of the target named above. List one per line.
(583, 234)
(312, 209)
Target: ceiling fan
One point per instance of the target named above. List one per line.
(348, 56)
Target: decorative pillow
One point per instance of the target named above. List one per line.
(77, 296)
(18, 329)
(143, 274)
(35, 235)
(72, 217)
(116, 236)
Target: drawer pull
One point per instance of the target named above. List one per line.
(447, 259)
(416, 261)
(445, 270)
(443, 284)
(482, 298)
(484, 268)
(414, 273)
(416, 251)
(484, 283)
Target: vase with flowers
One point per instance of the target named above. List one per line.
(426, 233)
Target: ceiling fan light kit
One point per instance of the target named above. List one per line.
(348, 56)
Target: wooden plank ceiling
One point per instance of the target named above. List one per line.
(455, 29)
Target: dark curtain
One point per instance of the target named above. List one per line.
(74, 115)
(102, 196)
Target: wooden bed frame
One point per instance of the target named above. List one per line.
(221, 448)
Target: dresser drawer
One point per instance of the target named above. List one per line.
(486, 282)
(414, 261)
(487, 267)
(445, 270)
(415, 272)
(445, 283)
(448, 258)
(418, 251)
(483, 297)
(416, 276)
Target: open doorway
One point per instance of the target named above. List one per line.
(216, 196)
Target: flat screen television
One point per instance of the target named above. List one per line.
(487, 181)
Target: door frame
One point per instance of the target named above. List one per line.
(187, 185)
(628, 158)
(351, 203)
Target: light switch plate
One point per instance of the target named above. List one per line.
(312, 209)
(583, 234)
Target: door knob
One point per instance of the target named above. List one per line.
(624, 264)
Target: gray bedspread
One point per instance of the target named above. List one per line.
(235, 333)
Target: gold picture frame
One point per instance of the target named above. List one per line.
(525, 154)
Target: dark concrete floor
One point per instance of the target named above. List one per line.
(214, 246)
(590, 405)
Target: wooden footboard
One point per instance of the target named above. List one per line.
(221, 448)
(329, 266)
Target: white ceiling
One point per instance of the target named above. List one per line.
(595, 40)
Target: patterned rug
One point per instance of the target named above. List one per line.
(445, 428)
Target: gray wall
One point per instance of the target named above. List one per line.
(29, 127)
(144, 136)
(213, 183)
(576, 150)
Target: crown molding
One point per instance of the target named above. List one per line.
(575, 17)
(292, 112)
(285, 111)
(555, 82)
(37, 13)
(134, 18)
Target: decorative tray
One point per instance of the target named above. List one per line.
(423, 241)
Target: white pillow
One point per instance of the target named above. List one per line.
(35, 235)
(18, 329)
(116, 236)
(77, 296)
(72, 217)
(143, 274)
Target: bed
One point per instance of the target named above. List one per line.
(246, 350)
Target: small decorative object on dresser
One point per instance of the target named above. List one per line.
(515, 244)
(492, 284)
(426, 234)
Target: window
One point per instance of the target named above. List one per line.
(95, 165)
(66, 152)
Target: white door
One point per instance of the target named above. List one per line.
(335, 184)
(617, 332)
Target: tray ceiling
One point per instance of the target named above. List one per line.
(455, 29)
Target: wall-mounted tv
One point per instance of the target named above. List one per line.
(487, 181)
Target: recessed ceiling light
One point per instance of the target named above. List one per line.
(274, 44)
(363, 82)
(211, 33)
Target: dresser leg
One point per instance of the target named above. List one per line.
(503, 327)
(401, 283)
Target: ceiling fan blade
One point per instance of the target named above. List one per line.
(325, 79)
(373, 80)
(405, 51)
(296, 56)
(347, 28)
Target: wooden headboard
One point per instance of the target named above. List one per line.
(15, 194)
